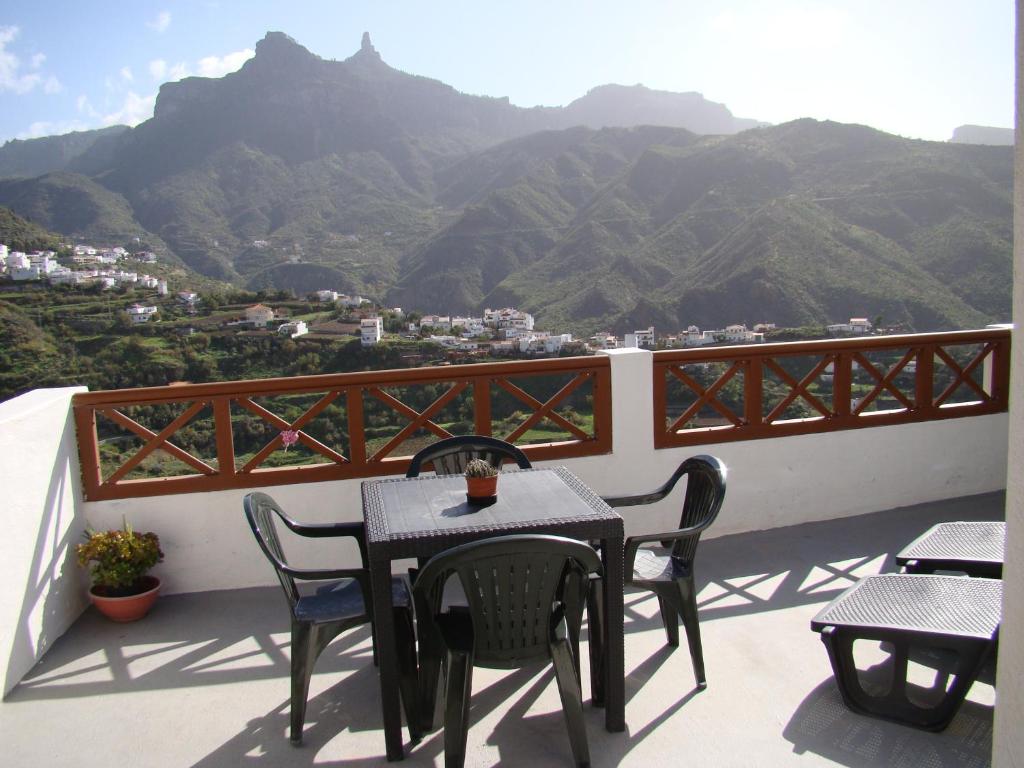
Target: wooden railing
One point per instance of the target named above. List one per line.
(721, 394)
(185, 438)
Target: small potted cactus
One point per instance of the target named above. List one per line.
(481, 480)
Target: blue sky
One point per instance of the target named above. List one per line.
(912, 67)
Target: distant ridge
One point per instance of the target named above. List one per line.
(983, 134)
(34, 157)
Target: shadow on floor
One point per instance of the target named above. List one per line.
(822, 725)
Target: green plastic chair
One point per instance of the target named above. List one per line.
(670, 575)
(451, 455)
(341, 604)
(524, 600)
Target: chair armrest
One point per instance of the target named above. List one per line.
(322, 574)
(328, 530)
(648, 498)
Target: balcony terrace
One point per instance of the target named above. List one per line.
(829, 476)
(203, 680)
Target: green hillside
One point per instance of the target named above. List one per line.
(300, 173)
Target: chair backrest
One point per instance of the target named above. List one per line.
(451, 455)
(705, 492)
(259, 511)
(518, 588)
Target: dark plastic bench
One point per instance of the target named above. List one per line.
(955, 616)
(974, 548)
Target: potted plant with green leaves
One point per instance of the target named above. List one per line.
(122, 588)
(481, 481)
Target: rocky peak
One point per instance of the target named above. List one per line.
(366, 54)
(278, 49)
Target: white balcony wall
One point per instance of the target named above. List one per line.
(772, 483)
(1006, 741)
(41, 522)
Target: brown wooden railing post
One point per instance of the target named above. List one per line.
(753, 392)
(482, 405)
(924, 381)
(999, 382)
(998, 374)
(602, 409)
(356, 431)
(88, 449)
(659, 398)
(225, 436)
(842, 385)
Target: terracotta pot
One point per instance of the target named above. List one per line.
(129, 607)
(482, 487)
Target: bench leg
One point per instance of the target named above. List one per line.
(971, 654)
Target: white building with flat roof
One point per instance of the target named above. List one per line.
(371, 331)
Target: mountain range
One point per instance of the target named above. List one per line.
(625, 208)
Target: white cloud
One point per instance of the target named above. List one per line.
(47, 128)
(178, 71)
(133, 110)
(10, 77)
(52, 86)
(37, 60)
(85, 106)
(126, 74)
(161, 22)
(218, 66)
(160, 70)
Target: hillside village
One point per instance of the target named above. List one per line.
(506, 331)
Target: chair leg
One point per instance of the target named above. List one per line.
(572, 700)
(430, 660)
(688, 612)
(595, 621)
(456, 711)
(405, 639)
(669, 618)
(304, 653)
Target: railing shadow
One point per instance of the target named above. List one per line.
(52, 576)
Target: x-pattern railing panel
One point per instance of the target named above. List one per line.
(798, 389)
(962, 375)
(706, 396)
(884, 382)
(980, 367)
(285, 412)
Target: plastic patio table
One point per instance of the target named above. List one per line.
(422, 516)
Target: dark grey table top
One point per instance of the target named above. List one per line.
(949, 605)
(977, 542)
(410, 516)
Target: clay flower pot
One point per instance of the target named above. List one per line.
(128, 607)
(482, 488)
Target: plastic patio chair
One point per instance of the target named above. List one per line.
(669, 576)
(341, 604)
(451, 455)
(524, 595)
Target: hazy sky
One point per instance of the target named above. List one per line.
(917, 68)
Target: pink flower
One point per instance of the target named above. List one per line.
(289, 437)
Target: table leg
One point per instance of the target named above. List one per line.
(614, 640)
(384, 629)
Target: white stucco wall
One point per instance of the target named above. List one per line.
(1008, 744)
(771, 483)
(44, 589)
